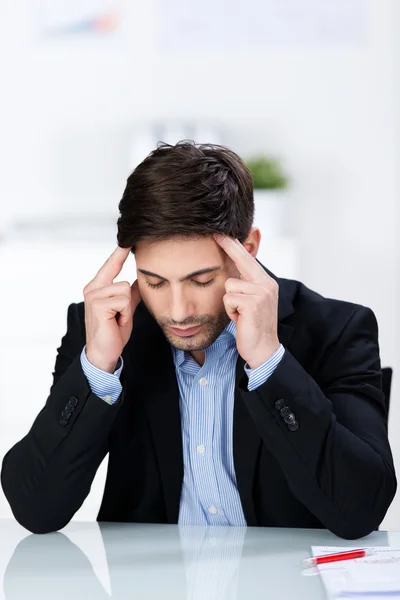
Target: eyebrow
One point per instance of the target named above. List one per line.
(190, 276)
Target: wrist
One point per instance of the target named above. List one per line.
(101, 364)
(263, 355)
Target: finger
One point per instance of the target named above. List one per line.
(110, 307)
(111, 268)
(241, 286)
(121, 288)
(235, 304)
(246, 264)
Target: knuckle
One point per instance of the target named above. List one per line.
(90, 295)
(87, 289)
(126, 287)
(122, 300)
(275, 285)
(230, 284)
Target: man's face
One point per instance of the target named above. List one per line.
(182, 283)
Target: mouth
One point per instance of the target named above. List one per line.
(186, 332)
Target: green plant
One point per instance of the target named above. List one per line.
(267, 173)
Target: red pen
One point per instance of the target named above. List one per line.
(328, 558)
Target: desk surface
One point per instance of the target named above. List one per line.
(87, 561)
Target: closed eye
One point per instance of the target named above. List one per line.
(203, 284)
(156, 286)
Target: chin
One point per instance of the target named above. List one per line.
(201, 340)
(192, 344)
(189, 344)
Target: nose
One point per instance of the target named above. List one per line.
(181, 305)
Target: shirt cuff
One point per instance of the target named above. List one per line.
(106, 386)
(260, 374)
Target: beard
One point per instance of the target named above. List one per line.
(212, 327)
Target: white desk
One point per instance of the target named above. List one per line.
(88, 562)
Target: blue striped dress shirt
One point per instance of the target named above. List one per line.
(209, 492)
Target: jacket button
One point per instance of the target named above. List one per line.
(290, 419)
(293, 426)
(279, 404)
(63, 421)
(285, 412)
(73, 401)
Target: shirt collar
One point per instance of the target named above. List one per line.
(228, 333)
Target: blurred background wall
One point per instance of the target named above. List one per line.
(83, 100)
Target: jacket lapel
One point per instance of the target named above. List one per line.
(159, 388)
(246, 439)
(246, 444)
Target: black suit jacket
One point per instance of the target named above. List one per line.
(334, 471)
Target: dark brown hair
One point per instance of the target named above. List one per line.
(186, 190)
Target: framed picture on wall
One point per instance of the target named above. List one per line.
(61, 18)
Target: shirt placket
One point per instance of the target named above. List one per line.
(201, 447)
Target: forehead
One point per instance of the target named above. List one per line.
(176, 257)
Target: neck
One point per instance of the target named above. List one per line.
(199, 356)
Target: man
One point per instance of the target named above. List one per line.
(217, 402)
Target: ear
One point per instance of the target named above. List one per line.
(252, 242)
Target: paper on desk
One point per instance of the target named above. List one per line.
(375, 576)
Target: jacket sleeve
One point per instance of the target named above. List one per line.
(331, 439)
(48, 474)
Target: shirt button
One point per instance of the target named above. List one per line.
(212, 510)
(107, 399)
(203, 381)
(201, 449)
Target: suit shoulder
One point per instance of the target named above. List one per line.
(80, 308)
(76, 317)
(315, 308)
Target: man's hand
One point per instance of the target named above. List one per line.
(109, 309)
(252, 302)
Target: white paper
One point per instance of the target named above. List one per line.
(187, 25)
(361, 577)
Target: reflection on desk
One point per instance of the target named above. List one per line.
(169, 562)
